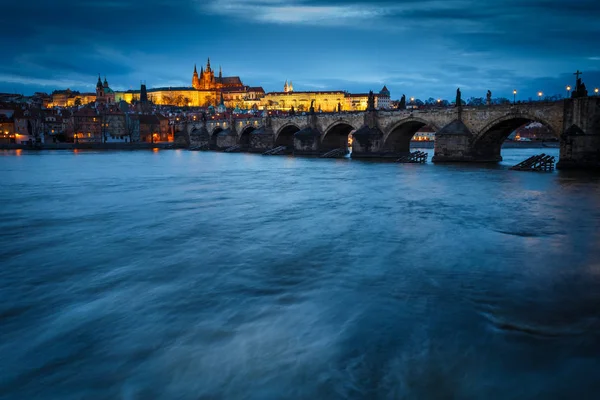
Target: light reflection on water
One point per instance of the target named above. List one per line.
(192, 275)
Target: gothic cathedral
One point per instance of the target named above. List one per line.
(207, 80)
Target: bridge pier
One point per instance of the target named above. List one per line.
(367, 142)
(200, 137)
(261, 140)
(578, 150)
(580, 142)
(226, 138)
(453, 143)
(307, 142)
(181, 136)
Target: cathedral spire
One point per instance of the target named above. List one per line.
(99, 84)
(208, 64)
(195, 80)
(220, 72)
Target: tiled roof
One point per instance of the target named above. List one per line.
(148, 119)
(85, 112)
(229, 80)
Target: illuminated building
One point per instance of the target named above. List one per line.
(325, 101)
(87, 126)
(70, 98)
(207, 81)
(207, 89)
(7, 129)
(150, 128)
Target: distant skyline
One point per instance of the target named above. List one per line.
(420, 48)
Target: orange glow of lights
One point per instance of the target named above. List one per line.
(155, 149)
(18, 152)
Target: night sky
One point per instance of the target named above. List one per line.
(421, 48)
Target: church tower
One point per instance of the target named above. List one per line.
(195, 81)
(99, 89)
(288, 87)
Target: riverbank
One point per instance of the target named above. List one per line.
(88, 146)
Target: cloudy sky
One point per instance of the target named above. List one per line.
(421, 48)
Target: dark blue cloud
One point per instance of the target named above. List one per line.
(422, 48)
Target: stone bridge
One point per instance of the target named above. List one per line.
(467, 134)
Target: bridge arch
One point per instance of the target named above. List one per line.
(244, 139)
(397, 138)
(335, 136)
(487, 144)
(285, 135)
(213, 135)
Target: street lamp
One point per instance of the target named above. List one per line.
(568, 91)
(540, 94)
(515, 96)
(596, 91)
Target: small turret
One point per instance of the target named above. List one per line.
(143, 93)
(105, 85)
(220, 72)
(285, 87)
(99, 84)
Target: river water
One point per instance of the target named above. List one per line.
(192, 275)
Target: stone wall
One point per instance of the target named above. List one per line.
(261, 140)
(226, 138)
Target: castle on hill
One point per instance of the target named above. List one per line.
(208, 89)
